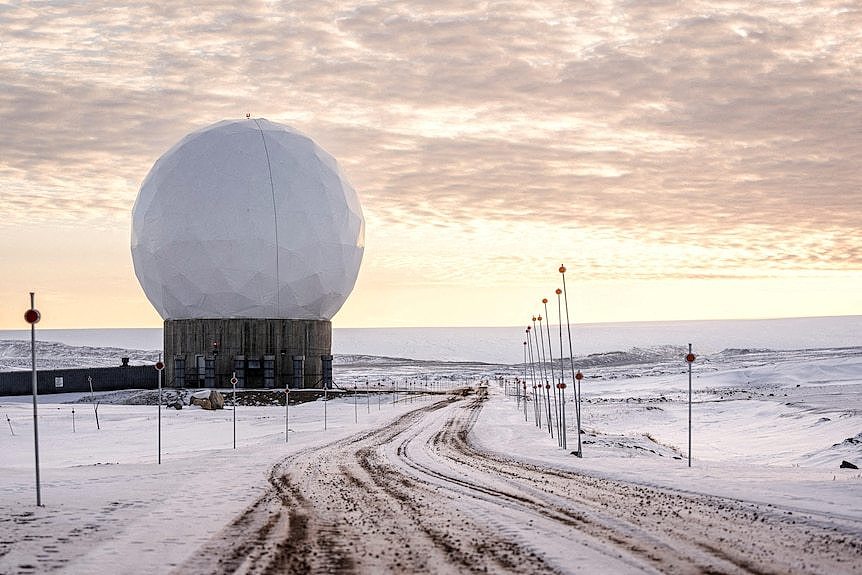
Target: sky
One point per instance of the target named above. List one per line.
(684, 160)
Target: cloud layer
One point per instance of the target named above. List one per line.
(647, 139)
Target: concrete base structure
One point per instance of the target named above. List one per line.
(264, 353)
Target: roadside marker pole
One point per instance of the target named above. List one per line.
(233, 382)
(690, 359)
(551, 367)
(563, 431)
(325, 401)
(95, 403)
(530, 351)
(286, 413)
(525, 377)
(73, 420)
(547, 385)
(562, 388)
(533, 376)
(159, 367)
(541, 372)
(576, 385)
(32, 316)
(578, 377)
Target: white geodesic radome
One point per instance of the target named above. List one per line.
(247, 219)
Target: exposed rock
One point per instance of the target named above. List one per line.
(850, 441)
(209, 400)
(847, 465)
(216, 399)
(204, 402)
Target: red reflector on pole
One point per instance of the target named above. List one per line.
(32, 316)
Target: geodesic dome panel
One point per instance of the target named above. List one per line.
(247, 219)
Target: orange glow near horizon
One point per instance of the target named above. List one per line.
(435, 287)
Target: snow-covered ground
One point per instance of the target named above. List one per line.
(109, 507)
(770, 427)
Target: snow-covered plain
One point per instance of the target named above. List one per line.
(767, 426)
(770, 427)
(109, 507)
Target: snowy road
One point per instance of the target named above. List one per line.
(416, 497)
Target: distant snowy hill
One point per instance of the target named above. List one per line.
(599, 345)
(15, 355)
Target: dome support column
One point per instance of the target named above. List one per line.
(205, 352)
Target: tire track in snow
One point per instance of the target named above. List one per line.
(342, 508)
(674, 532)
(417, 497)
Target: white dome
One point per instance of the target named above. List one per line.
(247, 219)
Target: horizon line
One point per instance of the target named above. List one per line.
(591, 323)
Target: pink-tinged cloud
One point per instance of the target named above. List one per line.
(694, 139)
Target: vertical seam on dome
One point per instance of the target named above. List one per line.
(275, 218)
